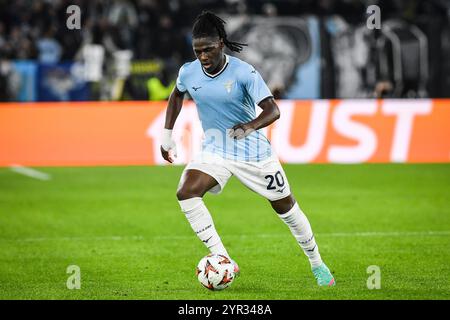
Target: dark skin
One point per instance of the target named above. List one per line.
(195, 183)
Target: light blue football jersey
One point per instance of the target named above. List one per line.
(223, 100)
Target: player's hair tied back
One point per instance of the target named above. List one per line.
(207, 24)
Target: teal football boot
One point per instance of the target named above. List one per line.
(323, 276)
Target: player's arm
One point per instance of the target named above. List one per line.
(173, 110)
(270, 114)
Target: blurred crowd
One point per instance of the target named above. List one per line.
(157, 29)
(36, 29)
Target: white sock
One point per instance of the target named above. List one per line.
(301, 230)
(202, 224)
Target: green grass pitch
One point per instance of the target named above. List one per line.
(123, 227)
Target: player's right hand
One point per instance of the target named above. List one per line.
(168, 146)
(166, 154)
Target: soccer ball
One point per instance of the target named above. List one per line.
(215, 272)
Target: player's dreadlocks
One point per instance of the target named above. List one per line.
(208, 24)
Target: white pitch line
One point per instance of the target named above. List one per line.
(107, 238)
(333, 234)
(242, 236)
(387, 234)
(32, 173)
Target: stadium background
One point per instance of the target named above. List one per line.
(85, 108)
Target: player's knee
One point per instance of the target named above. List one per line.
(184, 193)
(283, 205)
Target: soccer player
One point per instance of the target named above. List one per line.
(226, 91)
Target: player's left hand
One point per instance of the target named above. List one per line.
(241, 130)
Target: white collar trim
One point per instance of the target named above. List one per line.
(224, 66)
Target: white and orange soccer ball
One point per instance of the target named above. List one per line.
(216, 272)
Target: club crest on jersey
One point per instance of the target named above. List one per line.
(228, 85)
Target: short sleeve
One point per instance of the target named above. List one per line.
(180, 85)
(255, 85)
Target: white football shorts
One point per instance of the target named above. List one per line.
(267, 177)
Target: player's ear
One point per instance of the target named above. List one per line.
(221, 44)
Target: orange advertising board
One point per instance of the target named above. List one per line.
(318, 131)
